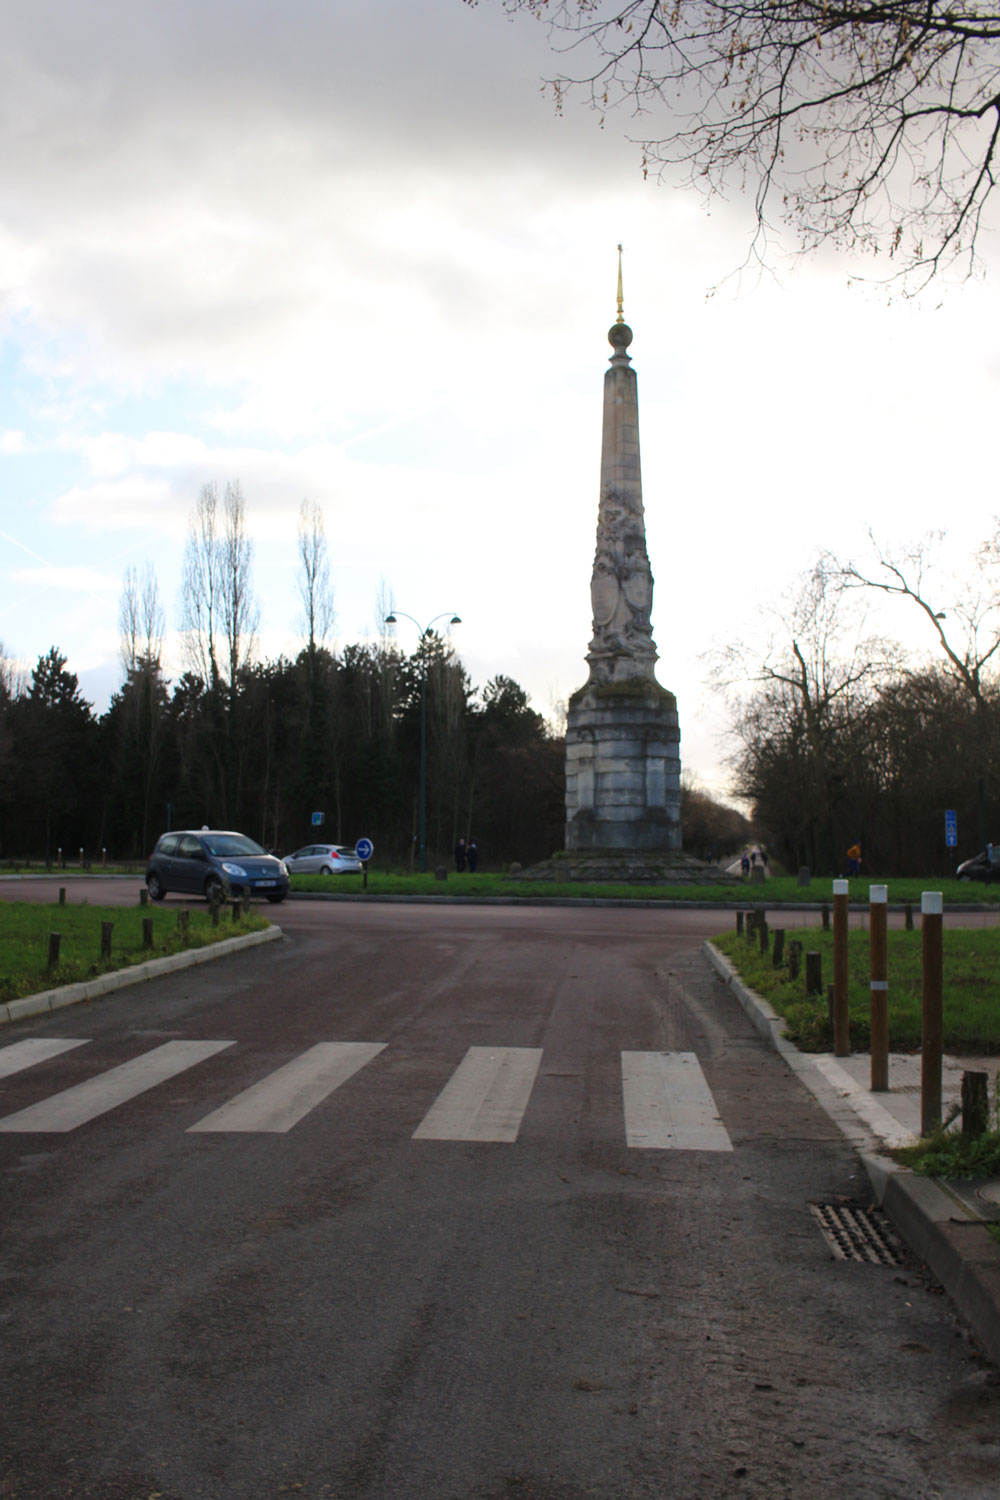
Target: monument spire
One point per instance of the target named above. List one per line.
(622, 734)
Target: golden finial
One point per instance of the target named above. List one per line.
(621, 315)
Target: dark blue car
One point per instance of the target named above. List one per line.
(214, 863)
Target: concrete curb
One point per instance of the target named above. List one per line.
(937, 1225)
(90, 989)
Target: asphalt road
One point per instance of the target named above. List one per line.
(392, 1297)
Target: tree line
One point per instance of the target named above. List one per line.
(841, 736)
(240, 742)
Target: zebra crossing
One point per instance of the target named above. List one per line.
(666, 1101)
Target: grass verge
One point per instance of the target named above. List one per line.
(779, 890)
(24, 940)
(971, 1000)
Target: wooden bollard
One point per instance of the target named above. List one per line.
(794, 958)
(55, 938)
(841, 1011)
(62, 895)
(739, 924)
(814, 973)
(932, 954)
(107, 928)
(183, 922)
(147, 932)
(236, 911)
(975, 1104)
(144, 897)
(878, 922)
(908, 916)
(213, 907)
(825, 914)
(763, 934)
(778, 951)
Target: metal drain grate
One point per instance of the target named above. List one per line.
(855, 1233)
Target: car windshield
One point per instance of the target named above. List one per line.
(226, 845)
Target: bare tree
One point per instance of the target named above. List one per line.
(871, 125)
(962, 611)
(240, 613)
(218, 604)
(140, 619)
(314, 575)
(200, 588)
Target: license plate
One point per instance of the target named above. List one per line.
(265, 882)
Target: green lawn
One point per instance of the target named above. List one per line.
(777, 891)
(971, 986)
(25, 928)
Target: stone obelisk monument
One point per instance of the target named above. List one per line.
(623, 769)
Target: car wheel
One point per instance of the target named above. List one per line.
(965, 879)
(275, 896)
(154, 886)
(326, 870)
(215, 891)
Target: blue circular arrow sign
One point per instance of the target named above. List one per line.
(364, 849)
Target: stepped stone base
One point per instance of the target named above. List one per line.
(623, 769)
(627, 867)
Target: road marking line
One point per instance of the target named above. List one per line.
(668, 1104)
(34, 1050)
(280, 1100)
(485, 1098)
(85, 1101)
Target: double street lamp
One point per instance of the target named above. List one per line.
(425, 631)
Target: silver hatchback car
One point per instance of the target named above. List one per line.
(323, 859)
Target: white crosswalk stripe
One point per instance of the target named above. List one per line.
(485, 1098)
(34, 1050)
(668, 1105)
(666, 1100)
(283, 1098)
(85, 1101)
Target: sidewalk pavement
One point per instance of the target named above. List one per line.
(944, 1223)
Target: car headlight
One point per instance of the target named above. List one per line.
(232, 869)
(283, 867)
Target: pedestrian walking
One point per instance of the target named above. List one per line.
(460, 856)
(472, 855)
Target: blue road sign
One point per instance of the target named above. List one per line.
(318, 819)
(364, 849)
(951, 828)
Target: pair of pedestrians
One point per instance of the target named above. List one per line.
(466, 854)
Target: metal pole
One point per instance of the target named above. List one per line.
(878, 899)
(841, 1012)
(931, 913)
(423, 763)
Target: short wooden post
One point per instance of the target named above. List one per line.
(62, 895)
(236, 911)
(739, 924)
(814, 973)
(878, 910)
(104, 856)
(62, 862)
(81, 859)
(214, 908)
(147, 932)
(763, 935)
(975, 1104)
(908, 916)
(183, 922)
(794, 958)
(778, 952)
(55, 938)
(107, 928)
(841, 1009)
(932, 946)
(144, 897)
(825, 914)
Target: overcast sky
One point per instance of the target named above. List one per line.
(348, 253)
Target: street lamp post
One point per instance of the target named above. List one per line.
(425, 631)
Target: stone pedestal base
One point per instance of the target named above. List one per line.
(627, 867)
(623, 769)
